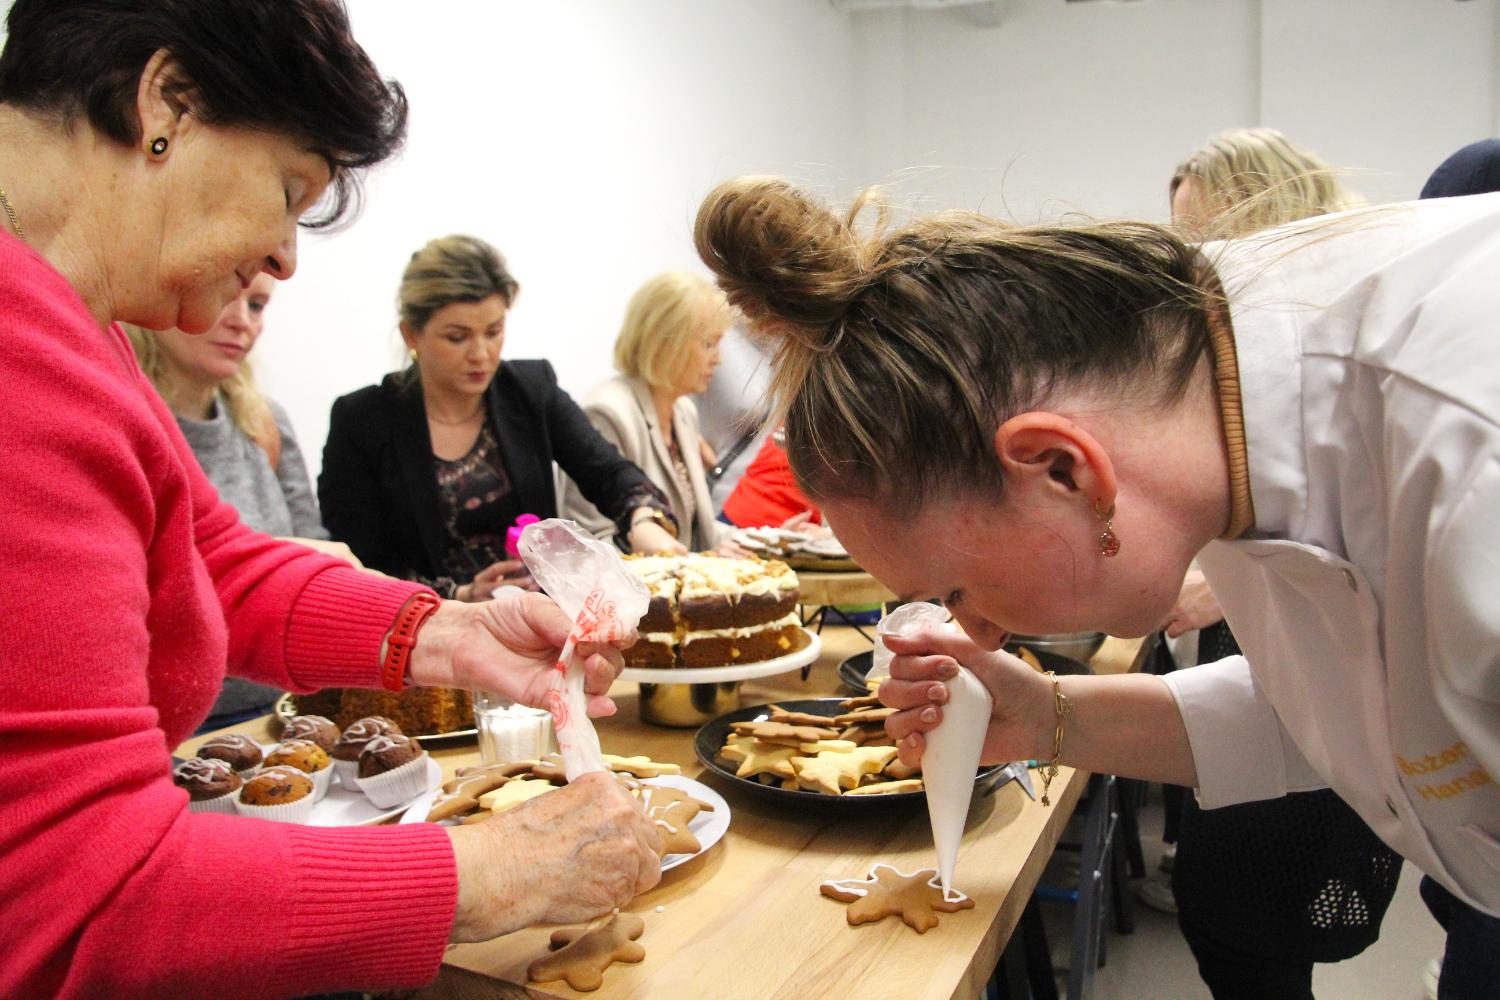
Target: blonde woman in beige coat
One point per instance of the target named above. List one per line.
(667, 351)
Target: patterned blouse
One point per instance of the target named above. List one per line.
(478, 507)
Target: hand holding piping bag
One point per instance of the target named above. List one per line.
(590, 582)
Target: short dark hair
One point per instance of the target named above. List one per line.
(289, 67)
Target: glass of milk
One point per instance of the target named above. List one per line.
(510, 732)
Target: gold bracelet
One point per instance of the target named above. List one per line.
(1064, 709)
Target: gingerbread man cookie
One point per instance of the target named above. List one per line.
(779, 714)
(780, 732)
(581, 954)
(916, 898)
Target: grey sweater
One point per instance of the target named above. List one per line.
(275, 501)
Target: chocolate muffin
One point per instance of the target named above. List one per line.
(361, 732)
(386, 753)
(304, 755)
(205, 778)
(276, 786)
(239, 752)
(317, 728)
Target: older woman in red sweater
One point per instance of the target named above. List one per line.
(147, 174)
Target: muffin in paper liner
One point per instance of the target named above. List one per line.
(218, 804)
(322, 780)
(348, 773)
(397, 785)
(290, 812)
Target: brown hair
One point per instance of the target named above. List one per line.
(899, 352)
(289, 67)
(452, 269)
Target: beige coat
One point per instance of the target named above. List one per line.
(624, 414)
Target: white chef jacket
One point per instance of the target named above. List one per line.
(1367, 596)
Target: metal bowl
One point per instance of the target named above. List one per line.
(1079, 646)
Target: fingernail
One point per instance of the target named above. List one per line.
(911, 742)
(949, 670)
(929, 715)
(938, 693)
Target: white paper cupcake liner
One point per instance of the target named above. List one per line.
(348, 773)
(219, 804)
(322, 781)
(288, 812)
(397, 786)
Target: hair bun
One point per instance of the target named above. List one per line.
(780, 254)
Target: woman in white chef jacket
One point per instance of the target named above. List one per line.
(1066, 416)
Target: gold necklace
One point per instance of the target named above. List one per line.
(10, 213)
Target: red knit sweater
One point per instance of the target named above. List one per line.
(125, 588)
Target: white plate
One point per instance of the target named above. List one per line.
(350, 807)
(718, 675)
(708, 827)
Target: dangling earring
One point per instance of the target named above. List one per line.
(1109, 542)
(159, 146)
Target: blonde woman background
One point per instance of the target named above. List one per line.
(1263, 890)
(666, 352)
(243, 440)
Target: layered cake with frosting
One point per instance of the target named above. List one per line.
(710, 611)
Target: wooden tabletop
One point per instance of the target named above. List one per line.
(745, 918)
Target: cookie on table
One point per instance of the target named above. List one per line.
(916, 898)
(581, 954)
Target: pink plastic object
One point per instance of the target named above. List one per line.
(513, 534)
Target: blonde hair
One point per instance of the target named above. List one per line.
(899, 351)
(452, 269)
(242, 398)
(1255, 178)
(663, 317)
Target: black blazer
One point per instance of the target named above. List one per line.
(378, 488)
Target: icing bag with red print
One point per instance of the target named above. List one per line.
(593, 586)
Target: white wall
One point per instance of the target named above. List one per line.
(576, 135)
(579, 135)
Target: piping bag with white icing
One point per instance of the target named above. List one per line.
(953, 748)
(594, 587)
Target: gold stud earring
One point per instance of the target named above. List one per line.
(412, 354)
(159, 146)
(1109, 542)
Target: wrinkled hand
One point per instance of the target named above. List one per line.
(569, 855)
(651, 539)
(509, 645)
(1196, 607)
(1020, 722)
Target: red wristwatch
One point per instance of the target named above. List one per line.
(403, 636)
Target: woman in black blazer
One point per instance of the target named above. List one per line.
(424, 473)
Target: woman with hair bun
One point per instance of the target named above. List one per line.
(1042, 426)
